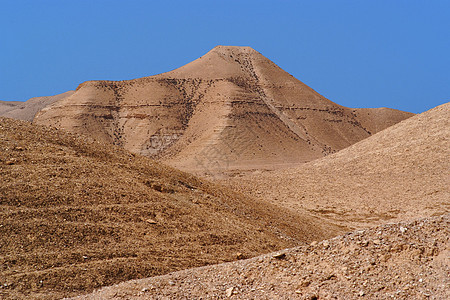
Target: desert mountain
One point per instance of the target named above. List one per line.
(27, 110)
(407, 260)
(399, 173)
(7, 106)
(231, 108)
(76, 214)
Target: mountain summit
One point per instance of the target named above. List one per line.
(231, 108)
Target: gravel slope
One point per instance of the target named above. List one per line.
(76, 214)
(407, 260)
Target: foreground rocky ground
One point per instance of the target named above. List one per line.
(408, 260)
(76, 214)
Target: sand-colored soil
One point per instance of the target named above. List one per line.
(399, 173)
(85, 210)
(76, 214)
(408, 260)
(6, 106)
(27, 110)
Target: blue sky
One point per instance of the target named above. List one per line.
(356, 53)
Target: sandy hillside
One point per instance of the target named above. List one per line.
(27, 110)
(230, 109)
(76, 214)
(407, 260)
(399, 173)
(6, 106)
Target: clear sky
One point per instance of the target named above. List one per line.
(357, 53)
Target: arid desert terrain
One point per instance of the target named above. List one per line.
(226, 178)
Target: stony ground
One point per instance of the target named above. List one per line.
(76, 214)
(408, 260)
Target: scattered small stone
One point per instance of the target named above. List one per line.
(403, 229)
(361, 293)
(171, 283)
(229, 292)
(305, 283)
(312, 297)
(151, 221)
(377, 242)
(330, 277)
(313, 243)
(363, 243)
(239, 255)
(144, 290)
(279, 255)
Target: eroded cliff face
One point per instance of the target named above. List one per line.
(230, 108)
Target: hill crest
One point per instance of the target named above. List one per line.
(233, 102)
(396, 174)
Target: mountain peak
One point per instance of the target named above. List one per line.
(219, 62)
(234, 49)
(230, 97)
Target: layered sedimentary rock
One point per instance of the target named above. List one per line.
(231, 108)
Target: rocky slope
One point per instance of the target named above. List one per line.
(27, 110)
(6, 106)
(76, 214)
(230, 109)
(408, 260)
(399, 173)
